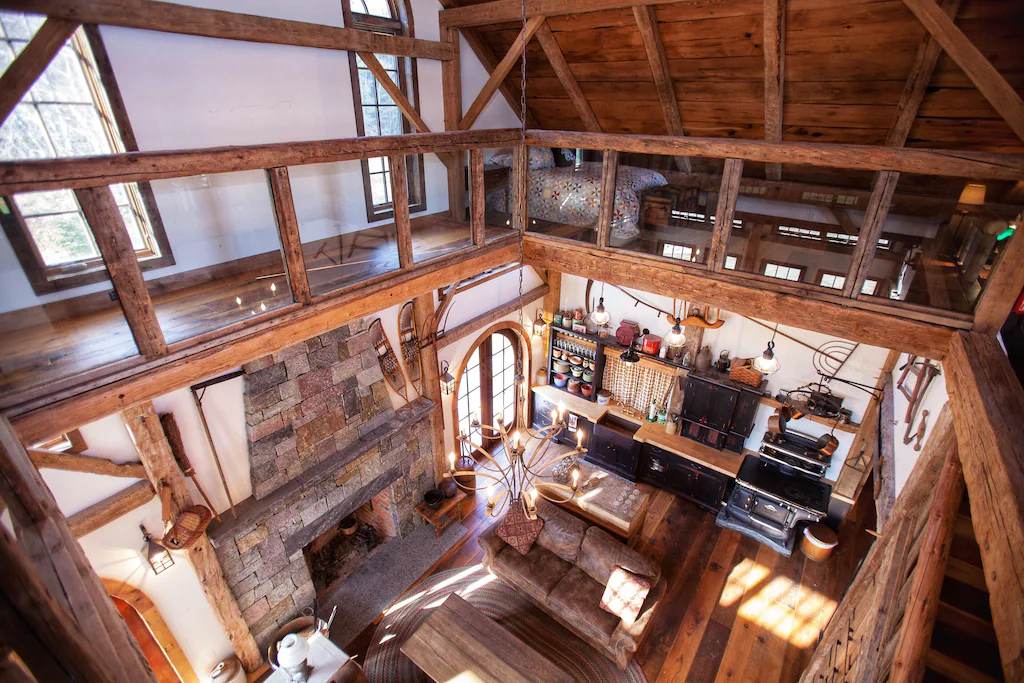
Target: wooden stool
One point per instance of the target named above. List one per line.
(818, 542)
(440, 517)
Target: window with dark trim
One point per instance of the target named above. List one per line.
(487, 386)
(73, 109)
(375, 112)
(838, 280)
(783, 271)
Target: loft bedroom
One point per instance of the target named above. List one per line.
(740, 277)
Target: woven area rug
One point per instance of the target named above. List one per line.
(385, 662)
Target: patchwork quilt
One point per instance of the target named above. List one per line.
(571, 195)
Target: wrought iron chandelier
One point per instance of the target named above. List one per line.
(518, 481)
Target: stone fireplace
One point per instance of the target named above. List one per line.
(325, 444)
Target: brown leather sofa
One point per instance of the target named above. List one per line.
(565, 574)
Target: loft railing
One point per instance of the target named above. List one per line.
(91, 178)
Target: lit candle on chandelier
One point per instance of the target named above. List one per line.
(561, 410)
(554, 416)
(490, 495)
(515, 440)
(451, 462)
(575, 479)
(579, 439)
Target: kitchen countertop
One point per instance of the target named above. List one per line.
(723, 461)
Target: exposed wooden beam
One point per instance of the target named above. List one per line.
(870, 230)
(31, 62)
(148, 436)
(864, 157)
(501, 71)
(502, 11)
(1002, 289)
(846, 223)
(732, 174)
(111, 235)
(51, 586)
(288, 230)
(774, 75)
(552, 301)
(50, 460)
(647, 22)
(168, 17)
(74, 407)
(987, 402)
(565, 76)
(1000, 94)
(510, 89)
(400, 202)
(484, 319)
(451, 99)
(884, 470)
(928, 53)
(609, 170)
(756, 299)
(477, 198)
(29, 176)
(107, 510)
(430, 385)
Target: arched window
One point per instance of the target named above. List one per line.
(375, 112)
(485, 383)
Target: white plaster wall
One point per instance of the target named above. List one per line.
(746, 339)
(936, 397)
(186, 92)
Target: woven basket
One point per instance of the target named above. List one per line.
(742, 370)
(189, 526)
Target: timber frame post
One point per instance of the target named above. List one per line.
(54, 609)
(147, 434)
(987, 401)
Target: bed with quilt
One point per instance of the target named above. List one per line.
(571, 194)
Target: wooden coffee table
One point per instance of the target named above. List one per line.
(457, 638)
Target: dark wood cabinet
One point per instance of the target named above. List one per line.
(612, 447)
(717, 411)
(683, 477)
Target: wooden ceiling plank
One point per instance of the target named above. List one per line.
(914, 90)
(71, 462)
(565, 75)
(169, 17)
(986, 401)
(763, 300)
(1000, 94)
(501, 71)
(774, 74)
(107, 510)
(647, 22)
(31, 62)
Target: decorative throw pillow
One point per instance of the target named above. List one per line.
(540, 157)
(625, 594)
(518, 530)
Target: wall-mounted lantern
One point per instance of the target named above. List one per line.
(159, 557)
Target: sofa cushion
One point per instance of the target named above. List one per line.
(518, 530)
(536, 572)
(577, 599)
(562, 533)
(625, 594)
(600, 554)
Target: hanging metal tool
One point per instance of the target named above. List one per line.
(924, 372)
(197, 397)
(173, 435)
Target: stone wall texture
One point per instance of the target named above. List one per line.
(324, 440)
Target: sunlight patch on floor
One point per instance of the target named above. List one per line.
(798, 625)
(465, 677)
(478, 584)
(742, 578)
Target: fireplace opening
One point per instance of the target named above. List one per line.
(337, 553)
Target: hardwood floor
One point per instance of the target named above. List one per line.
(735, 610)
(65, 338)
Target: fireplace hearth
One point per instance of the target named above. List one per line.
(334, 556)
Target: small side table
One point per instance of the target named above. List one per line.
(450, 511)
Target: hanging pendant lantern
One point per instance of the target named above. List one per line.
(539, 326)
(447, 381)
(767, 363)
(600, 316)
